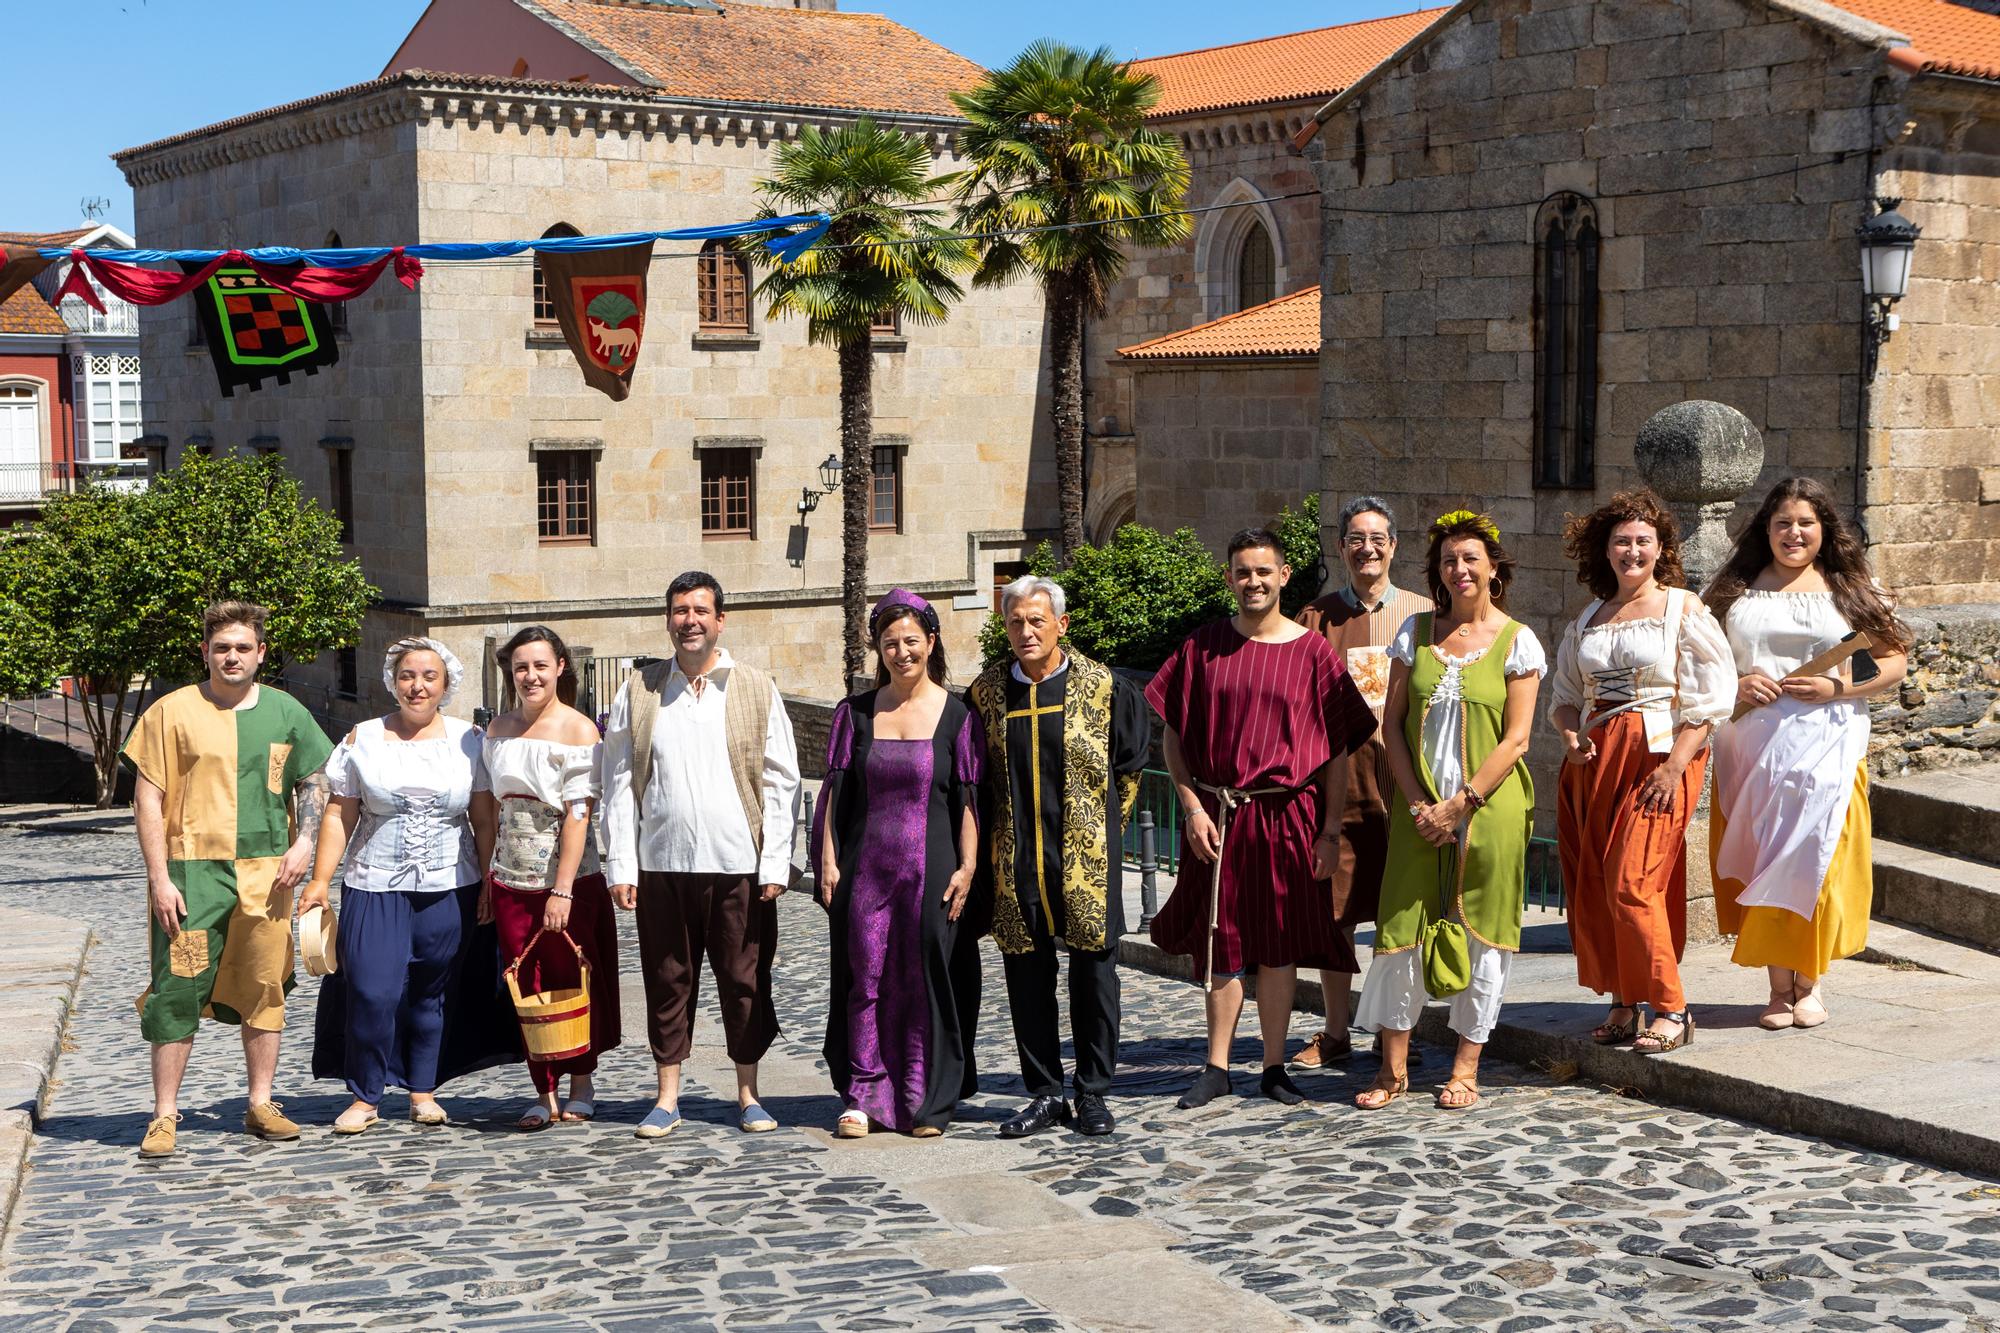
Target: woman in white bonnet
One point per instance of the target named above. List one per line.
(402, 785)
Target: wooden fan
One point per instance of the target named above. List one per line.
(1855, 642)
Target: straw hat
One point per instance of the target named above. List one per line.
(317, 931)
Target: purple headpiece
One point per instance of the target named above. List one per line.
(901, 597)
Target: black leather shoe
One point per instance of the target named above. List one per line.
(1035, 1117)
(1092, 1115)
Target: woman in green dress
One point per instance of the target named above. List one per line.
(1462, 684)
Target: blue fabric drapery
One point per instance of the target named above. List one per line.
(786, 248)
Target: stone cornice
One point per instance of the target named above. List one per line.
(422, 98)
(1229, 127)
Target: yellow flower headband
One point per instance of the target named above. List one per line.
(1458, 516)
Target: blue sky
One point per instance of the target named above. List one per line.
(95, 76)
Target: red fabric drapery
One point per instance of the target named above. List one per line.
(145, 286)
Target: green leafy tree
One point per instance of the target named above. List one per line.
(1064, 176)
(108, 587)
(1298, 532)
(883, 253)
(1133, 599)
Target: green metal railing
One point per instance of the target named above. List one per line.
(1544, 889)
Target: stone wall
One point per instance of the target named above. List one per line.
(1724, 145)
(1227, 443)
(1945, 715)
(446, 391)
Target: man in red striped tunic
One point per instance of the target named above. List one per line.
(1261, 717)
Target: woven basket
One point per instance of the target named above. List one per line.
(555, 1023)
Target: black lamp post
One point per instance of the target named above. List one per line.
(829, 482)
(1887, 242)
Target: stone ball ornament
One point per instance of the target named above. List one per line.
(1700, 457)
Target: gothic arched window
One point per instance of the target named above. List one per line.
(1566, 245)
(1256, 268)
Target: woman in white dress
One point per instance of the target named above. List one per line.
(1642, 678)
(1789, 834)
(401, 786)
(542, 759)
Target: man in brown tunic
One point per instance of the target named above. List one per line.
(1358, 622)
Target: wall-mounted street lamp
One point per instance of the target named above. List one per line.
(829, 482)
(1887, 242)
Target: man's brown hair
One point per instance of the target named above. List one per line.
(222, 614)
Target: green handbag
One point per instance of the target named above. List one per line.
(1446, 953)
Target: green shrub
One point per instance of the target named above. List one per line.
(1298, 530)
(1132, 600)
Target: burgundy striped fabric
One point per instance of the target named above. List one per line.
(1251, 715)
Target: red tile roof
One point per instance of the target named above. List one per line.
(1288, 326)
(1944, 38)
(26, 312)
(788, 57)
(49, 239)
(1279, 69)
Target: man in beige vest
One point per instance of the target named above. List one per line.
(701, 789)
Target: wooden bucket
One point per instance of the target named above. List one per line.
(555, 1023)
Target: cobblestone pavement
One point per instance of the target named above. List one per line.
(1549, 1206)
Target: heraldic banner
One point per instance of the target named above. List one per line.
(256, 332)
(600, 301)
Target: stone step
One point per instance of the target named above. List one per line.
(1946, 895)
(1954, 810)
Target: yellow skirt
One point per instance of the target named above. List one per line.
(1775, 937)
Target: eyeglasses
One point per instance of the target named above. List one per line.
(1355, 541)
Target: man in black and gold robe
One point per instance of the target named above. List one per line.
(1066, 740)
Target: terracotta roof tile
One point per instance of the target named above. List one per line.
(26, 312)
(788, 57)
(1288, 326)
(1944, 38)
(1279, 69)
(45, 238)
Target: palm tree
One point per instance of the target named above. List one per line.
(884, 253)
(1063, 174)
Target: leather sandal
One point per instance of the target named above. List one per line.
(1388, 1094)
(1464, 1084)
(1658, 1043)
(1778, 1014)
(1808, 1011)
(1609, 1033)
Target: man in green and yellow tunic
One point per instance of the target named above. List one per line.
(1066, 740)
(219, 765)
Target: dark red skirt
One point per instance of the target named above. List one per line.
(517, 914)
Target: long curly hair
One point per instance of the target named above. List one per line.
(1586, 538)
(1466, 523)
(1842, 561)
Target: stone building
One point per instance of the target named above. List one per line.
(484, 486)
(1545, 220)
(1202, 432)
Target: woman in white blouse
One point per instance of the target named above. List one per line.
(548, 897)
(1789, 835)
(1462, 684)
(401, 786)
(1642, 679)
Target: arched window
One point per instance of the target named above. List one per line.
(1256, 268)
(722, 288)
(336, 311)
(1566, 243)
(545, 309)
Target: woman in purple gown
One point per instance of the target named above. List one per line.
(894, 853)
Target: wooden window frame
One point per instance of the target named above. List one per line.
(720, 470)
(555, 485)
(895, 453)
(538, 293)
(886, 324)
(1568, 247)
(722, 281)
(1257, 235)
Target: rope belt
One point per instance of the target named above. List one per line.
(1227, 799)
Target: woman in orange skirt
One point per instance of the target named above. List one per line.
(1642, 679)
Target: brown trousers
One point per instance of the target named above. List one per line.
(679, 919)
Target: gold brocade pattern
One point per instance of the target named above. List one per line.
(1086, 864)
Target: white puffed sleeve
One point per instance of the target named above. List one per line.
(579, 772)
(1705, 668)
(343, 769)
(1403, 648)
(1566, 687)
(1526, 657)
